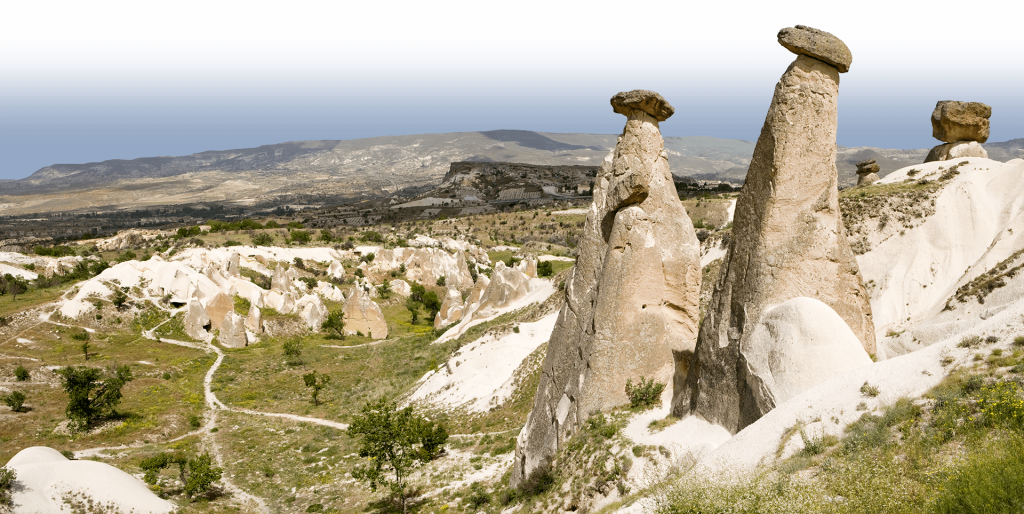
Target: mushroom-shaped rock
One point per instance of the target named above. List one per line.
(451, 309)
(362, 314)
(867, 172)
(630, 303)
(821, 45)
(787, 241)
(655, 105)
(797, 345)
(45, 478)
(958, 150)
(197, 321)
(232, 331)
(954, 121)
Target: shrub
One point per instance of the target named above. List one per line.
(21, 374)
(301, 236)
(335, 321)
(1002, 405)
(7, 478)
(292, 349)
(15, 400)
(537, 482)
(262, 239)
(90, 397)
(309, 281)
(1018, 341)
(432, 303)
(969, 341)
(441, 280)
(120, 297)
(645, 395)
(198, 473)
(316, 383)
(545, 269)
(869, 390)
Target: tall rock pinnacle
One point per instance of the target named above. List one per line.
(631, 304)
(788, 239)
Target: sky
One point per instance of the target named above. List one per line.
(90, 81)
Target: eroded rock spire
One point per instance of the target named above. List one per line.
(631, 304)
(788, 242)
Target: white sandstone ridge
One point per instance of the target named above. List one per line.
(45, 478)
(43, 265)
(130, 239)
(481, 374)
(508, 289)
(7, 269)
(978, 223)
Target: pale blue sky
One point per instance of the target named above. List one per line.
(103, 80)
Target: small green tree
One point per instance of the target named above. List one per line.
(292, 351)
(325, 236)
(384, 290)
(262, 239)
(393, 440)
(20, 373)
(645, 395)
(335, 322)
(84, 337)
(545, 269)
(441, 280)
(119, 299)
(197, 474)
(316, 382)
(16, 401)
(7, 478)
(301, 236)
(432, 303)
(414, 310)
(92, 393)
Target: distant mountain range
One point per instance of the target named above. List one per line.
(323, 171)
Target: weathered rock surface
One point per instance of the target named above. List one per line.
(821, 45)
(312, 311)
(631, 304)
(281, 281)
(796, 346)
(867, 172)
(506, 286)
(362, 314)
(217, 307)
(958, 150)
(451, 309)
(254, 320)
(649, 102)
(788, 241)
(197, 320)
(426, 265)
(954, 121)
(232, 331)
(401, 287)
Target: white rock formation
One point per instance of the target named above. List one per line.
(232, 331)
(254, 320)
(401, 287)
(631, 304)
(788, 239)
(361, 314)
(451, 309)
(311, 310)
(796, 346)
(197, 320)
(426, 265)
(45, 478)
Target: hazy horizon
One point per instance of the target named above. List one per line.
(87, 83)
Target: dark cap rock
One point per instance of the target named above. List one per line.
(821, 45)
(954, 121)
(640, 99)
(868, 166)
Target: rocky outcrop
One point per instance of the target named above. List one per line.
(958, 150)
(817, 44)
(401, 287)
(426, 265)
(867, 172)
(197, 321)
(631, 303)
(282, 280)
(312, 311)
(123, 240)
(217, 307)
(232, 331)
(788, 241)
(451, 309)
(506, 286)
(962, 126)
(254, 320)
(362, 314)
(796, 346)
